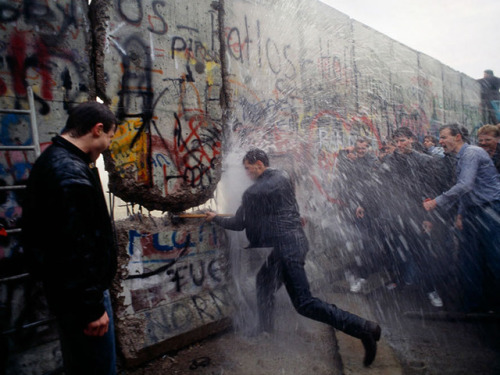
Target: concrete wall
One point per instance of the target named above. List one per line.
(161, 71)
(306, 76)
(306, 81)
(173, 286)
(192, 82)
(45, 45)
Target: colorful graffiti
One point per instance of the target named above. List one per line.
(42, 45)
(331, 98)
(35, 52)
(169, 140)
(176, 275)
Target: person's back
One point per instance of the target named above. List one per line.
(490, 97)
(490, 86)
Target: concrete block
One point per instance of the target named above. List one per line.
(172, 287)
(158, 66)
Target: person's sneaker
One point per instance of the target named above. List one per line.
(356, 285)
(436, 301)
(391, 286)
(369, 340)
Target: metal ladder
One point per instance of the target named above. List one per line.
(35, 146)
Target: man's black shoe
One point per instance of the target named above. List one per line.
(369, 340)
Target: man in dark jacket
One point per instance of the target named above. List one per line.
(69, 241)
(405, 176)
(489, 95)
(269, 213)
(356, 186)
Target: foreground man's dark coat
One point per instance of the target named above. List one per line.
(67, 232)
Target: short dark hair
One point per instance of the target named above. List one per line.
(84, 116)
(403, 132)
(456, 129)
(255, 155)
(489, 71)
(363, 140)
(431, 138)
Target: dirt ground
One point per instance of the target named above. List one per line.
(297, 346)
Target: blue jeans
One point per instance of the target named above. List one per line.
(285, 265)
(85, 355)
(480, 256)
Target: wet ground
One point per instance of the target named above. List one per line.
(417, 338)
(297, 346)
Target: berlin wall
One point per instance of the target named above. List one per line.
(194, 84)
(46, 46)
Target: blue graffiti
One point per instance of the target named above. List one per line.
(9, 122)
(133, 234)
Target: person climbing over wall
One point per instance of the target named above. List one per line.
(69, 242)
(269, 213)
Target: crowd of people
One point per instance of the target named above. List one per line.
(425, 213)
(403, 203)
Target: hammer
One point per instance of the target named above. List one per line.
(177, 218)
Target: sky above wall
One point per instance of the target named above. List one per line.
(463, 34)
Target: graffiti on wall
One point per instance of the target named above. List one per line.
(167, 98)
(42, 45)
(181, 316)
(40, 48)
(329, 100)
(176, 271)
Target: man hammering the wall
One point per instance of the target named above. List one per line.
(269, 214)
(69, 241)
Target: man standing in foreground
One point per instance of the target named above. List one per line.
(269, 214)
(69, 241)
(477, 192)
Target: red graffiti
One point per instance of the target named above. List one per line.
(20, 62)
(17, 51)
(3, 87)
